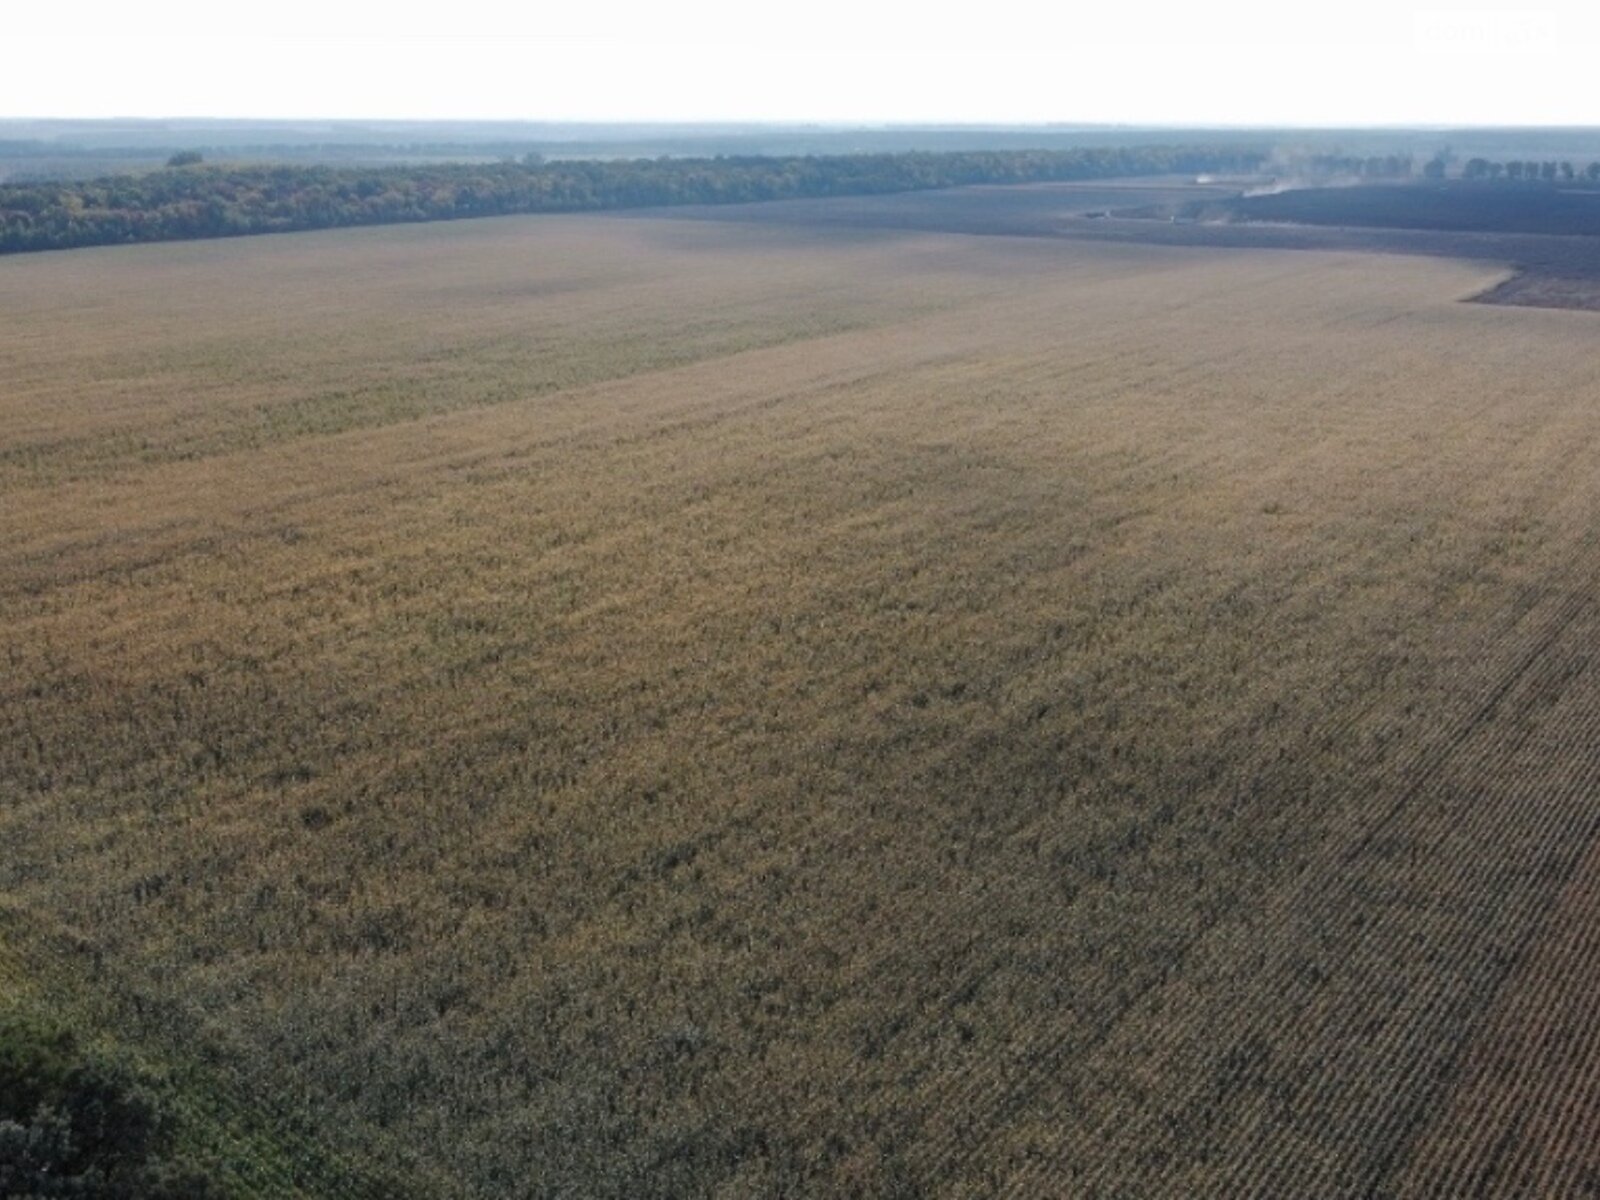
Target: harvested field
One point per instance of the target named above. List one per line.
(1548, 270)
(1574, 287)
(615, 706)
(1541, 209)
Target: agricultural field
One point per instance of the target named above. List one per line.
(1556, 267)
(622, 706)
(1572, 209)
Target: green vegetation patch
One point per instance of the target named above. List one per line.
(193, 201)
(96, 1106)
(77, 1121)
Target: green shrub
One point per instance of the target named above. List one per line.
(76, 1123)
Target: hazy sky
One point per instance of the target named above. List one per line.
(1359, 62)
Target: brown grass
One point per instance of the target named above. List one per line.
(612, 707)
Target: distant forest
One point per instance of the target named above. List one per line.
(1404, 166)
(190, 199)
(1481, 169)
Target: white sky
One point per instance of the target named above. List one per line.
(1135, 61)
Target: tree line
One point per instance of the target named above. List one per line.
(1481, 169)
(1385, 166)
(1403, 166)
(77, 1123)
(191, 199)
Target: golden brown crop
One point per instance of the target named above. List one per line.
(586, 706)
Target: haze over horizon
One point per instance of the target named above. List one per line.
(1256, 64)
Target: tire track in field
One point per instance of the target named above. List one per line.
(1252, 779)
(1427, 759)
(1425, 1030)
(1564, 826)
(926, 922)
(924, 932)
(1524, 1114)
(1334, 1080)
(1426, 766)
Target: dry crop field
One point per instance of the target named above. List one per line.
(621, 707)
